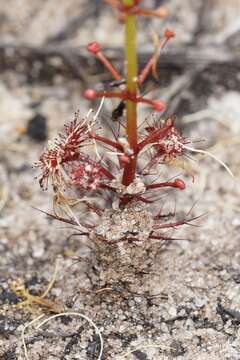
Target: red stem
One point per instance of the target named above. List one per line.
(108, 65)
(147, 68)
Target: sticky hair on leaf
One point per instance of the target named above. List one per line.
(66, 148)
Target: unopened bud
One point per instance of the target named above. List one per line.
(93, 47)
(162, 12)
(168, 34)
(159, 105)
(180, 184)
(90, 94)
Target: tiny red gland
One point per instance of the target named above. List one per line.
(86, 175)
(93, 47)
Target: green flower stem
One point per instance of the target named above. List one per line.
(131, 78)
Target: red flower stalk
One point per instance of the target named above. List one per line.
(146, 70)
(91, 94)
(95, 49)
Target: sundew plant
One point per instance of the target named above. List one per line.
(110, 179)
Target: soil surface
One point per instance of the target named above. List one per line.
(187, 306)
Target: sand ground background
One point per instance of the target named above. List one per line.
(188, 306)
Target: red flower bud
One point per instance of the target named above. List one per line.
(168, 34)
(162, 12)
(93, 47)
(90, 94)
(159, 105)
(180, 184)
